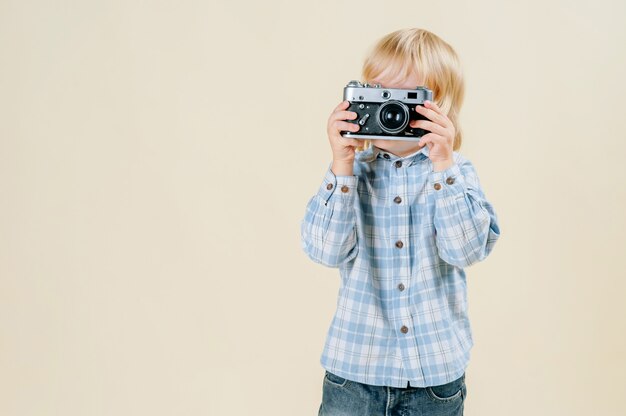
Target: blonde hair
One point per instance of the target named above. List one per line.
(419, 51)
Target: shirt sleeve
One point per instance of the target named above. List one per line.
(328, 230)
(466, 224)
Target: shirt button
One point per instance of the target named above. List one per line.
(450, 180)
(345, 189)
(397, 200)
(329, 186)
(398, 163)
(437, 186)
(404, 329)
(401, 287)
(399, 244)
(386, 156)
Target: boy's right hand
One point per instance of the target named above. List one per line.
(343, 148)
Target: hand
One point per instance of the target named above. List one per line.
(440, 140)
(342, 148)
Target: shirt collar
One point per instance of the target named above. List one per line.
(372, 153)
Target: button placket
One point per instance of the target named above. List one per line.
(398, 164)
(401, 233)
(399, 181)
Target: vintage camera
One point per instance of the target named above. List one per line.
(385, 113)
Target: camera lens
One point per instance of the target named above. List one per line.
(393, 116)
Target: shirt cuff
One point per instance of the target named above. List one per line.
(448, 182)
(342, 188)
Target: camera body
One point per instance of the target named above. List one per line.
(385, 113)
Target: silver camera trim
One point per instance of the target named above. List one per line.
(357, 92)
(350, 135)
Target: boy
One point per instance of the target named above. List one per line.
(400, 219)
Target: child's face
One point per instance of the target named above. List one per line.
(397, 147)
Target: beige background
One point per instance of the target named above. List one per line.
(155, 163)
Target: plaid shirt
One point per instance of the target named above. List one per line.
(400, 235)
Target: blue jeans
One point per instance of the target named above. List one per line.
(346, 397)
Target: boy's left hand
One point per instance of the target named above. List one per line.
(440, 140)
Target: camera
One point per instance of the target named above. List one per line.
(385, 113)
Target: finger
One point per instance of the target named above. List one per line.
(433, 115)
(431, 105)
(434, 139)
(342, 105)
(425, 140)
(428, 125)
(344, 115)
(351, 142)
(345, 126)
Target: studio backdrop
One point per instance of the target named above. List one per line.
(156, 159)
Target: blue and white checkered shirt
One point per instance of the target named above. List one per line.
(400, 235)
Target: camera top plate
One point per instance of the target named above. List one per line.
(355, 91)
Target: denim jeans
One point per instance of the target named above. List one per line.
(351, 398)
